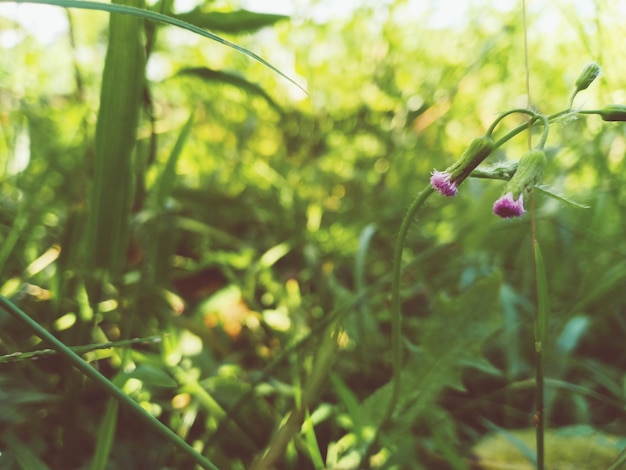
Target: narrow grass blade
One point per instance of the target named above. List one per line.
(104, 383)
(106, 436)
(23, 453)
(311, 442)
(167, 178)
(160, 18)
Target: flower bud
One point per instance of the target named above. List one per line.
(447, 182)
(529, 172)
(613, 112)
(588, 75)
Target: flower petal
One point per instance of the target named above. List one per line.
(507, 207)
(440, 180)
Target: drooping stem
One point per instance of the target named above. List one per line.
(523, 127)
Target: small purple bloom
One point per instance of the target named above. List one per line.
(507, 207)
(440, 180)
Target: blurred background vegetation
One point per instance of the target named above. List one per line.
(260, 232)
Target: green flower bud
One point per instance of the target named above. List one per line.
(447, 182)
(588, 75)
(473, 156)
(529, 172)
(613, 112)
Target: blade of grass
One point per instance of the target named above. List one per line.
(160, 18)
(167, 178)
(311, 442)
(24, 455)
(104, 383)
(106, 436)
(313, 387)
(118, 116)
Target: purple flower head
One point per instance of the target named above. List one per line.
(440, 180)
(507, 207)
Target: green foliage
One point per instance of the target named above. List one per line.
(251, 230)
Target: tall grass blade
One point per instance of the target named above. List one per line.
(112, 194)
(106, 436)
(167, 178)
(160, 18)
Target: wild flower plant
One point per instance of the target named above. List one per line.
(522, 177)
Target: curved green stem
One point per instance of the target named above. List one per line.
(522, 127)
(396, 312)
(106, 384)
(546, 130)
(508, 113)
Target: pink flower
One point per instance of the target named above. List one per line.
(440, 180)
(507, 207)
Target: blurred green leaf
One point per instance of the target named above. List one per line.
(230, 78)
(453, 333)
(24, 455)
(151, 376)
(234, 22)
(150, 15)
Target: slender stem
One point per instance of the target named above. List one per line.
(539, 418)
(396, 311)
(522, 127)
(103, 382)
(539, 329)
(546, 129)
(508, 113)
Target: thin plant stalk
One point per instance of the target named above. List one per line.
(104, 383)
(396, 311)
(541, 320)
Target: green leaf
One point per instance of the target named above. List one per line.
(545, 190)
(151, 375)
(451, 336)
(233, 22)
(230, 78)
(160, 18)
(118, 116)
